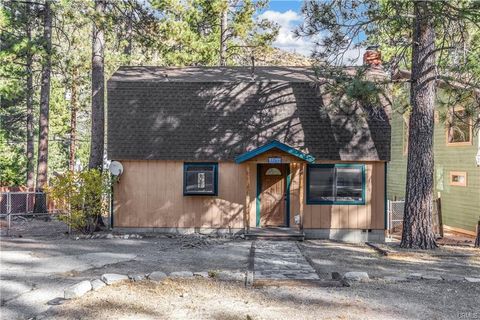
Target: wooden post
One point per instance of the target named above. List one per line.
(477, 240)
(247, 197)
(301, 193)
(439, 214)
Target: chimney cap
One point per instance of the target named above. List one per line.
(372, 56)
(373, 47)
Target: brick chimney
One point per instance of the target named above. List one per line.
(372, 57)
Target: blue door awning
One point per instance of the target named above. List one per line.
(274, 145)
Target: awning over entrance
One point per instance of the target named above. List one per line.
(275, 144)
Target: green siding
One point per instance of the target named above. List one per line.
(397, 167)
(460, 205)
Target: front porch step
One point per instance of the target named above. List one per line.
(280, 234)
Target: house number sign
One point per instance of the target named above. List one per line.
(274, 160)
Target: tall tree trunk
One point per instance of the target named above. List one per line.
(98, 92)
(98, 98)
(417, 224)
(42, 163)
(73, 119)
(223, 37)
(29, 97)
(127, 51)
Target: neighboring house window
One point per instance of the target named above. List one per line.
(406, 119)
(200, 178)
(459, 128)
(458, 178)
(336, 184)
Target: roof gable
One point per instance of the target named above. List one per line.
(274, 145)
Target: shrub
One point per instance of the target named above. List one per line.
(83, 197)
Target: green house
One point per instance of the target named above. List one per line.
(457, 176)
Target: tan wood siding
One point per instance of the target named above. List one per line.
(368, 216)
(150, 194)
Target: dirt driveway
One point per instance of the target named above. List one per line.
(35, 271)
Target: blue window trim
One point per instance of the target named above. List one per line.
(338, 165)
(287, 215)
(186, 165)
(257, 198)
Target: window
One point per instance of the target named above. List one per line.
(273, 172)
(336, 184)
(459, 128)
(200, 178)
(458, 178)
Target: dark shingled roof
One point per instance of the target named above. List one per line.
(206, 113)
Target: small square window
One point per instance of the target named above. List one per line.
(458, 178)
(200, 178)
(459, 128)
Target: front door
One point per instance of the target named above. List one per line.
(273, 195)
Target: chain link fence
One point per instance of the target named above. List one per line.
(29, 214)
(395, 216)
(395, 210)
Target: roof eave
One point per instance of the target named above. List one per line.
(275, 144)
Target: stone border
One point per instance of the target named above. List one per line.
(394, 253)
(107, 236)
(430, 277)
(81, 288)
(120, 235)
(359, 276)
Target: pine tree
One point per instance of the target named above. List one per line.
(43, 123)
(421, 36)
(98, 88)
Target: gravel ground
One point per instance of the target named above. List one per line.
(35, 271)
(328, 256)
(208, 299)
(42, 225)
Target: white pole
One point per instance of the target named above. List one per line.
(477, 158)
(9, 212)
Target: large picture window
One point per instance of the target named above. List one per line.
(200, 178)
(336, 184)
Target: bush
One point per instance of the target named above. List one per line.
(83, 197)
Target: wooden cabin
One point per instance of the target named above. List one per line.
(231, 150)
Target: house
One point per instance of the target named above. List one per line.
(231, 149)
(457, 175)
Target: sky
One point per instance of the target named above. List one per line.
(287, 14)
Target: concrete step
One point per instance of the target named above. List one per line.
(275, 238)
(280, 234)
